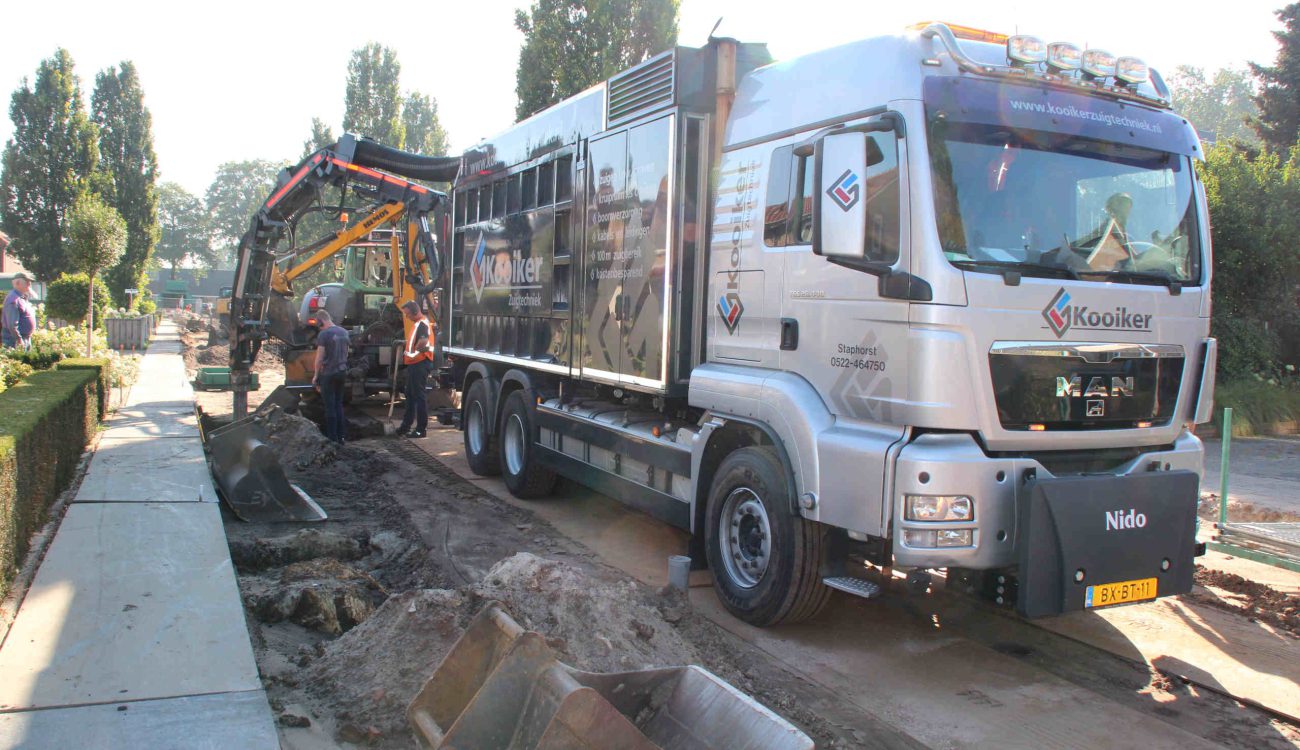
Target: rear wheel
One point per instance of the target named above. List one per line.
(525, 478)
(766, 559)
(481, 450)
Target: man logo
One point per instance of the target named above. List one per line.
(730, 308)
(845, 191)
(1057, 313)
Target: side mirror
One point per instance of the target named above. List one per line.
(840, 163)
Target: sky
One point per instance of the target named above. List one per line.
(242, 80)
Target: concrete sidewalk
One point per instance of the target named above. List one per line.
(133, 634)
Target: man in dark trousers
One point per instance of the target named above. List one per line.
(418, 359)
(331, 374)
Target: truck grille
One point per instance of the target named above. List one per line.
(1085, 386)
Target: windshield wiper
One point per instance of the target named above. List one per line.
(1175, 286)
(1012, 270)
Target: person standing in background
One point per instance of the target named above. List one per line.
(418, 359)
(19, 314)
(331, 374)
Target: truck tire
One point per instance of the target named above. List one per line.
(524, 476)
(480, 445)
(766, 559)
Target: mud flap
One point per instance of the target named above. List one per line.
(502, 687)
(249, 475)
(1112, 528)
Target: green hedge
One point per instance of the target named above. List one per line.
(101, 367)
(45, 423)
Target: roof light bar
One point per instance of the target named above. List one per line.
(969, 33)
(1026, 50)
(1098, 63)
(1132, 70)
(1063, 56)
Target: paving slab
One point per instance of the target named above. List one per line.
(155, 419)
(132, 602)
(201, 722)
(147, 470)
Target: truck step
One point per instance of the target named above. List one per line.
(856, 586)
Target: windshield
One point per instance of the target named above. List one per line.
(1047, 204)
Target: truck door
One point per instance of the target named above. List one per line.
(627, 254)
(853, 342)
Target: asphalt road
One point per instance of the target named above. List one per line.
(1265, 471)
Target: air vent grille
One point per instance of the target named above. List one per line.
(642, 90)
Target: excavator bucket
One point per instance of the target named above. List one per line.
(249, 475)
(501, 688)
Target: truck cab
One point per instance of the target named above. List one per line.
(954, 316)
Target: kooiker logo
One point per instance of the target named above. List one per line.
(1061, 316)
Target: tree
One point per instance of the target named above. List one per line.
(97, 239)
(424, 134)
(237, 191)
(322, 135)
(1255, 206)
(570, 45)
(372, 104)
(127, 158)
(47, 163)
(65, 299)
(1278, 123)
(183, 221)
(1219, 106)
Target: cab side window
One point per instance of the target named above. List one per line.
(884, 228)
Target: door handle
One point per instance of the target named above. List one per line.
(789, 334)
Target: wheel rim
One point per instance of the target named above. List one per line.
(746, 537)
(475, 429)
(514, 444)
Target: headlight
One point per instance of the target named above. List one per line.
(938, 508)
(1026, 49)
(1064, 56)
(938, 538)
(1098, 63)
(1131, 70)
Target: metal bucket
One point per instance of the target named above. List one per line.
(501, 688)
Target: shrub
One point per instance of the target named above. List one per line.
(1256, 405)
(147, 307)
(50, 346)
(1246, 348)
(102, 368)
(66, 298)
(45, 423)
(12, 371)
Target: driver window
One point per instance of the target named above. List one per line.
(884, 229)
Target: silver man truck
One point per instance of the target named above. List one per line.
(931, 301)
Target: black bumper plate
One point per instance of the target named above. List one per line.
(1112, 528)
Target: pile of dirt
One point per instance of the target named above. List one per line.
(1255, 600)
(1242, 512)
(202, 349)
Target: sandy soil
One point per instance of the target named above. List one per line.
(1242, 512)
(351, 616)
(1257, 601)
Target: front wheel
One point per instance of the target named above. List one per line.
(766, 559)
(480, 445)
(524, 477)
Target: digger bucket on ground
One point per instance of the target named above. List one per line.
(249, 475)
(501, 688)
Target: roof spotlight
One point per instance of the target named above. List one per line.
(1063, 56)
(1131, 70)
(1098, 63)
(1026, 50)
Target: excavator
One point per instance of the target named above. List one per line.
(375, 195)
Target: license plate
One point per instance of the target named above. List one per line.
(1106, 594)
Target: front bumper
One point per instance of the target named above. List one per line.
(954, 464)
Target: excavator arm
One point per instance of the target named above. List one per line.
(381, 178)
